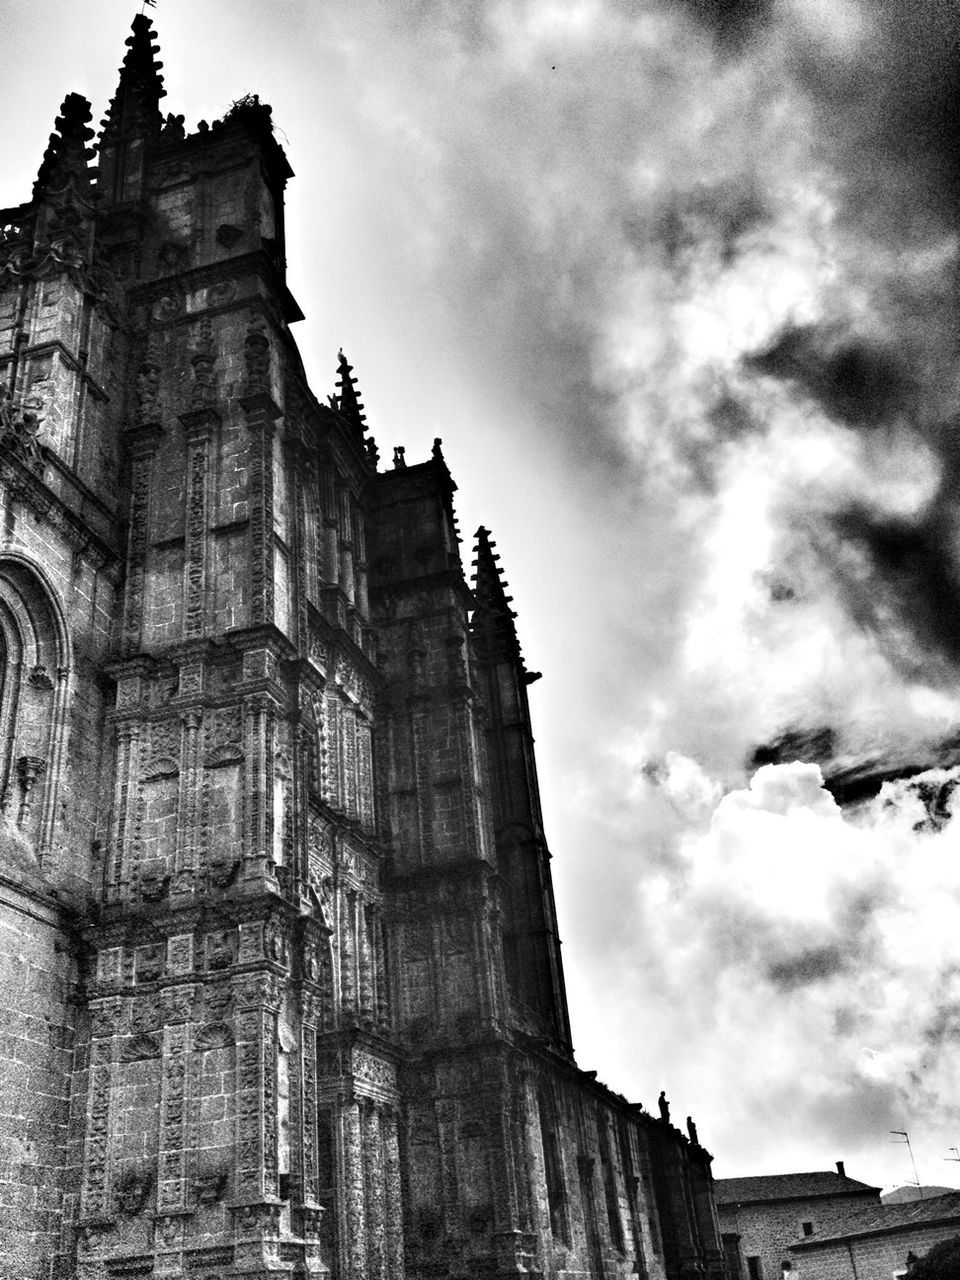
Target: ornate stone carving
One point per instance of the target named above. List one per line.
(211, 1187)
(19, 432)
(223, 736)
(177, 1003)
(375, 1073)
(132, 1192)
(215, 1035)
(221, 949)
(163, 754)
(204, 391)
(167, 307)
(149, 962)
(256, 356)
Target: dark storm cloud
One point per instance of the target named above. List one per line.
(911, 575)
(856, 381)
(944, 1026)
(854, 1107)
(719, 215)
(895, 109)
(810, 746)
(813, 964)
(731, 22)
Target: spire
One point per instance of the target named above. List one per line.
(492, 625)
(134, 110)
(67, 155)
(348, 400)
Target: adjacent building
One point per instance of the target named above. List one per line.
(762, 1217)
(877, 1243)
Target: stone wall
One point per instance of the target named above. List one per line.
(879, 1257)
(38, 979)
(767, 1230)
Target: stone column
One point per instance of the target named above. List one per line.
(172, 1200)
(198, 426)
(331, 551)
(345, 528)
(366, 1000)
(259, 751)
(256, 1206)
(301, 467)
(352, 1194)
(58, 742)
(393, 1196)
(374, 1197)
(365, 769)
(95, 1208)
(188, 808)
(124, 802)
(360, 557)
(310, 1016)
(142, 443)
(348, 952)
(382, 996)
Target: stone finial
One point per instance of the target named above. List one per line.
(348, 401)
(135, 107)
(173, 130)
(67, 155)
(493, 619)
(399, 461)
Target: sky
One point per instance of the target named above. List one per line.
(676, 284)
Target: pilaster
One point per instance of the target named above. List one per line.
(142, 444)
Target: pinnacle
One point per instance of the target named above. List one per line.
(493, 618)
(135, 108)
(348, 400)
(67, 153)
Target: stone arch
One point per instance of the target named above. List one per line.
(35, 652)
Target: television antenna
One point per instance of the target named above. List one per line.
(905, 1140)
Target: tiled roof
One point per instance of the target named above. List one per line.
(788, 1186)
(892, 1217)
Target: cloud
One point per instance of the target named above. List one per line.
(732, 22)
(823, 948)
(861, 383)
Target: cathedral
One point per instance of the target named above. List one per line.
(281, 979)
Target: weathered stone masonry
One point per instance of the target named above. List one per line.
(282, 982)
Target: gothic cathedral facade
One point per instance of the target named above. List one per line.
(279, 963)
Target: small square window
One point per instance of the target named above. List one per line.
(807, 1228)
(753, 1269)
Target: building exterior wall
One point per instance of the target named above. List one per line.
(767, 1230)
(38, 977)
(879, 1257)
(268, 787)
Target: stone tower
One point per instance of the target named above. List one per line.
(281, 973)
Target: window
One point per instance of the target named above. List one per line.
(609, 1184)
(807, 1228)
(553, 1166)
(753, 1269)
(33, 690)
